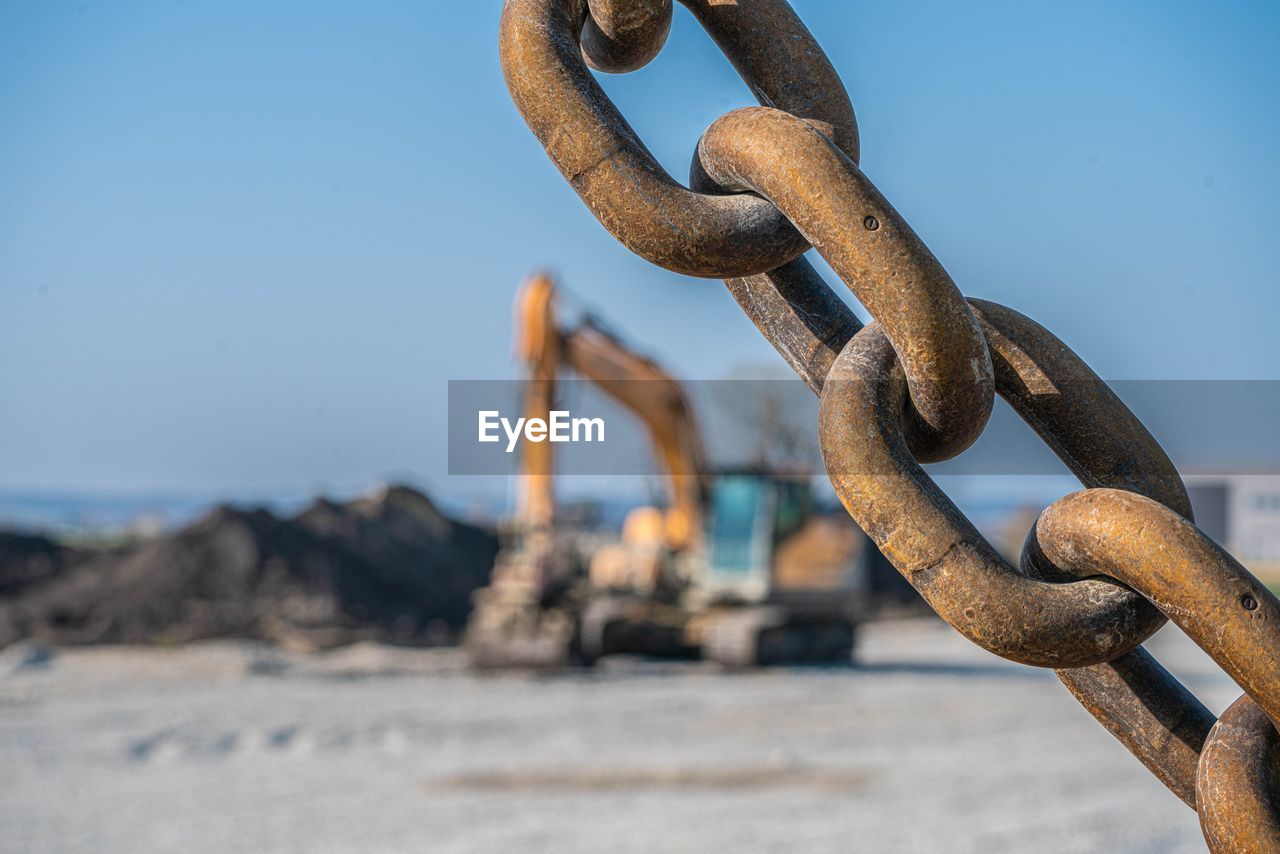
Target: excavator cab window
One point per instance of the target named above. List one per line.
(740, 535)
(791, 508)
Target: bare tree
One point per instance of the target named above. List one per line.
(774, 420)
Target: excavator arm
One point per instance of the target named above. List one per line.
(659, 401)
(634, 381)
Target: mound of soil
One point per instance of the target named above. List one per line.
(26, 560)
(388, 567)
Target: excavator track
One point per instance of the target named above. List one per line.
(770, 635)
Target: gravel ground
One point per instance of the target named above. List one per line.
(928, 744)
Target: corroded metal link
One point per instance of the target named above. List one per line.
(1193, 580)
(1238, 788)
(931, 542)
(713, 236)
(1148, 711)
(759, 37)
(782, 63)
(873, 249)
(1190, 578)
(623, 35)
(1224, 609)
(1134, 697)
(804, 320)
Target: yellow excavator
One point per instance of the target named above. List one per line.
(736, 567)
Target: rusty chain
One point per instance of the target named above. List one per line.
(1103, 568)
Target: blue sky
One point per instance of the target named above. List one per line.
(244, 246)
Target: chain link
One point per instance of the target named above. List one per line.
(1103, 568)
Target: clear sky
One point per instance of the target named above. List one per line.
(244, 245)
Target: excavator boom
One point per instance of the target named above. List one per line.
(634, 381)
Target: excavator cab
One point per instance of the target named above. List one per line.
(749, 515)
(777, 582)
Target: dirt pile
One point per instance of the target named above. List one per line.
(387, 567)
(26, 560)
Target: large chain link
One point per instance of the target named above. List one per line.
(1103, 568)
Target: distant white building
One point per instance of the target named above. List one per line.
(1242, 512)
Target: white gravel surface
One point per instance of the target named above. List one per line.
(928, 744)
